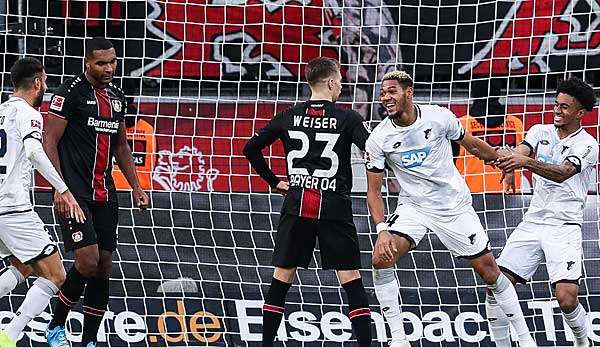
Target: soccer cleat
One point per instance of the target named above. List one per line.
(399, 343)
(91, 344)
(57, 337)
(6, 341)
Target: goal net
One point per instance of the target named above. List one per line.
(203, 75)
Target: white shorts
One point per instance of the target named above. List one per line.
(531, 244)
(462, 234)
(22, 234)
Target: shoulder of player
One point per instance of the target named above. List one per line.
(435, 112)
(349, 115)
(541, 128)
(116, 90)
(381, 129)
(587, 138)
(69, 86)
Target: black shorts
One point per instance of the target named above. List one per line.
(100, 226)
(296, 238)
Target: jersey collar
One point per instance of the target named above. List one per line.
(414, 124)
(572, 135)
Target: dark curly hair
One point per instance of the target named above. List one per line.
(580, 90)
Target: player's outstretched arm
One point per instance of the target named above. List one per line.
(124, 159)
(478, 148)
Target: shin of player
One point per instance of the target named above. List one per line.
(415, 142)
(563, 167)
(86, 125)
(317, 202)
(22, 233)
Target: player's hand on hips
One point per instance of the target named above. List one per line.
(282, 187)
(67, 206)
(385, 247)
(140, 198)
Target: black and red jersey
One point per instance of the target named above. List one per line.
(317, 137)
(86, 149)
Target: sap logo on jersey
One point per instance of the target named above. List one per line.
(415, 157)
(547, 159)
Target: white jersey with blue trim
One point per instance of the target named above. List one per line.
(18, 122)
(560, 203)
(420, 155)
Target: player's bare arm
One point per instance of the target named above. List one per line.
(478, 148)
(124, 159)
(557, 173)
(385, 246)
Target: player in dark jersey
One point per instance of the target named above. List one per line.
(84, 130)
(317, 137)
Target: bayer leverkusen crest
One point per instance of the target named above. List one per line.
(117, 106)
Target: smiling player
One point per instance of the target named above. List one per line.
(415, 141)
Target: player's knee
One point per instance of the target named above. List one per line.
(567, 300)
(54, 274)
(88, 266)
(57, 277)
(490, 277)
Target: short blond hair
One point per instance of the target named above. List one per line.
(401, 76)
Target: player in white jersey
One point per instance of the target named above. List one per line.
(415, 142)
(22, 233)
(563, 169)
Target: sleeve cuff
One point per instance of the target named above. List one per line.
(528, 145)
(273, 181)
(462, 135)
(575, 161)
(374, 169)
(62, 188)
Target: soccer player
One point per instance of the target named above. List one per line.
(84, 130)
(563, 168)
(414, 140)
(317, 137)
(22, 233)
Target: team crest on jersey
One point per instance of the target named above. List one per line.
(36, 124)
(77, 236)
(427, 133)
(117, 106)
(57, 103)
